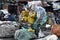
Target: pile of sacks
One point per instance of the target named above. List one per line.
(8, 28)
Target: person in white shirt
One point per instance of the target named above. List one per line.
(4, 11)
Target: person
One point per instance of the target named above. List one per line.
(8, 13)
(4, 12)
(12, 9)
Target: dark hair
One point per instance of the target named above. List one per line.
(23, 2)
(12, 9)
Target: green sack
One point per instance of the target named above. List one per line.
(23, 34)
(43, 21)
(41, 17)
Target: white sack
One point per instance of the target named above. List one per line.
(8, 28)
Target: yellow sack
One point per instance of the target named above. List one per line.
(32, 14)
(31, 30)
(31, 17)
(25, 18)
(24, 13)
(30, 20)
(28, 16)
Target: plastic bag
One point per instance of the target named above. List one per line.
(41, 34)
(51, 37)
(23, 34)
(41, 16)
(51, 18)
(8, 28)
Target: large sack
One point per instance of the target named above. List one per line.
(8, 28)
(56, 29)
(51, 37)
(23, 34)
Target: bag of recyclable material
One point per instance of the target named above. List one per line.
(32, 17)
(41, 34)
(23, 34)
(51, 37)
(41, 16)
(34, 3)
(8, 28)
(51, 18)
(56, 29)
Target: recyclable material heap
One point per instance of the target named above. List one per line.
(31, 20)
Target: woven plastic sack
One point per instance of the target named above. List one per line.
(51, 37)
(7, 28)
(23, 34)
(41, 16)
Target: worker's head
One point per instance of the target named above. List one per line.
(5, 6)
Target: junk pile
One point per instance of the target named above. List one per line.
(31, 19)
